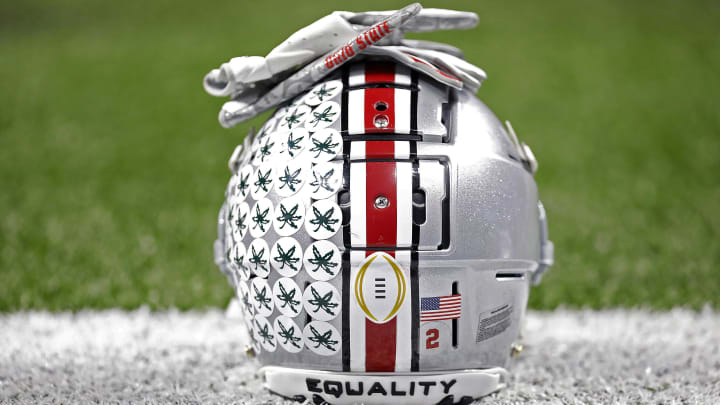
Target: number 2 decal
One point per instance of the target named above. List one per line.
(432, 339)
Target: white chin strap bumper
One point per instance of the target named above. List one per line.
(325, 387)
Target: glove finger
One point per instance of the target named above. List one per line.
(234, 76)
(234, 112)
(470, 72)
(216, 83)
(416, 63)
(428, 20)
(433, 46)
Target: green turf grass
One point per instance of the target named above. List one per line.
(113, 166)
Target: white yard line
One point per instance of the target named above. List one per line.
(614, 356)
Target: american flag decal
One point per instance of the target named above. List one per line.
(440, 308)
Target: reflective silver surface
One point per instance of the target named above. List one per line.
(478, 186)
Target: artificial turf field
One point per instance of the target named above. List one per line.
(573, 357)
(113, 165)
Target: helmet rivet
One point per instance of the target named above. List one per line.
(516, 349)
(381, 202)
(381, 121)
(249, 351)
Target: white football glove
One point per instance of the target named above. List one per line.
(257, 83)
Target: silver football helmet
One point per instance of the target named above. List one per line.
(382, 231)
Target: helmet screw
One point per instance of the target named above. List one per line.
(381, 202)
(249, 351)
(515, 349)
(381, 121)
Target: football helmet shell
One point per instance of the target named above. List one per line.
(382, 231)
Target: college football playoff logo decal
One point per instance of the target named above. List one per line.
(380, 287)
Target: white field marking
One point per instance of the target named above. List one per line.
(612, 356)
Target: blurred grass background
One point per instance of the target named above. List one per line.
(113, 165)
